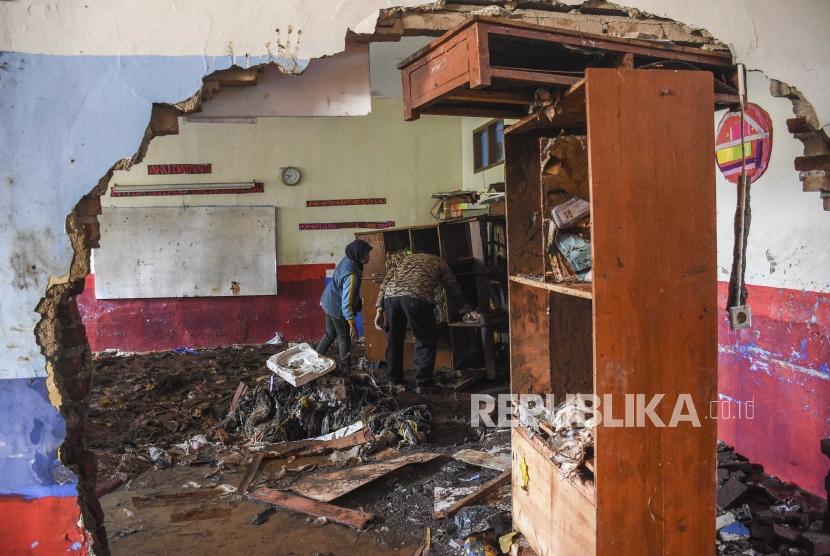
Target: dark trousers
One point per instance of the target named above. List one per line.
(339, 329)
(420, 316)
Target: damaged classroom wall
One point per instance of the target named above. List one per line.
(781, 362)
(78, 83)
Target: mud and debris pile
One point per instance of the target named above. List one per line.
(759, 514)
(160, 399)
(275, 411)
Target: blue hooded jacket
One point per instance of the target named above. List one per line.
(341, 298)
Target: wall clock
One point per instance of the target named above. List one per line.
(291, 175)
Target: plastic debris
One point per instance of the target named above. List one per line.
(277, 340)
(160, 457)
(478, 519)
(506, 541)
(406, 427)
(300, 364)
(734, 532)
(478, 545)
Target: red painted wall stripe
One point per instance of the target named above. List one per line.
(41, 526)
(166, 323)
(781, 363)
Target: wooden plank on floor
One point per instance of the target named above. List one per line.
(326, 487)
(655, 305)
(483, 492)
(315, 508)
(487, 460)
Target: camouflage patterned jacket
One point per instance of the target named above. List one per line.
(417, 276)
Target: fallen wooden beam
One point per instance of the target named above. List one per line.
(310, 447)
(329, 486)
(337, 514)
(485, 490)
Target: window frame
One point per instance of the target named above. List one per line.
(489, 128)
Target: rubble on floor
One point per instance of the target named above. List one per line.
(209, 441)
(343, 449)
(760, 515)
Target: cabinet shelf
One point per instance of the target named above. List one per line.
(582, 289)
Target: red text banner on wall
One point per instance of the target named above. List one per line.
(346, 202)
(344, 225)
(168, 169)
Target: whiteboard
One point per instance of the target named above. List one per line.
(153, 252)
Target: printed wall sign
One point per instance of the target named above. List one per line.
(346, 202)
(166, 169)
(343, 225)
(757, 131)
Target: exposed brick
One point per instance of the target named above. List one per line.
(71, 361)
(73, 336)
(730, 493)
(89, 205)
(785, 533)
(77, 387)
(807, 163)
(164, 119)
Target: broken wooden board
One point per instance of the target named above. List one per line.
(311, 447)
(445, 497)
(484, 491)
(329, 486)
(337, 514)
(496, 462)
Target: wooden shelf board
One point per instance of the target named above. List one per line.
(582, 289)
(466, 325)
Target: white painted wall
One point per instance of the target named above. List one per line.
(788, 240)
(378, 155)
(333, 86)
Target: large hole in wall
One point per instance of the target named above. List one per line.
(61, 332)
(199, 382)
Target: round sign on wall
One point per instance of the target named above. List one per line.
(756, 148)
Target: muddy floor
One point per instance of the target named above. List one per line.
(158, 400)
(171, 459)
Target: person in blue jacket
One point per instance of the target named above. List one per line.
(341, 300)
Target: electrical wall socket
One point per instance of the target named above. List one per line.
(740, 316)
